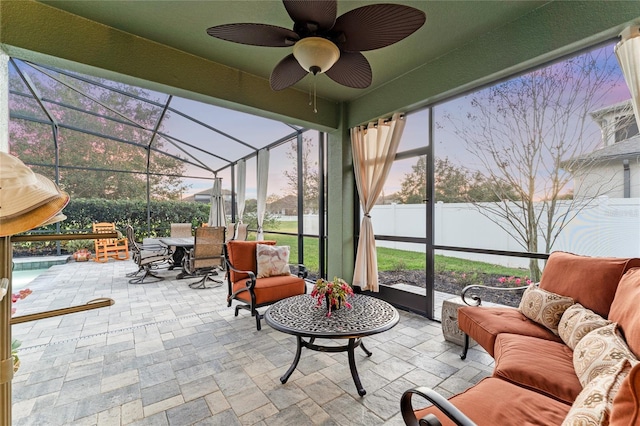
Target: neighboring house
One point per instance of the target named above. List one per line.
(205, 197)
(285, 206)
(614, 169)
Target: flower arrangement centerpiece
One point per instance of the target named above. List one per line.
(335, 293)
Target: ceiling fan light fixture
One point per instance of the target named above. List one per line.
(316, 54)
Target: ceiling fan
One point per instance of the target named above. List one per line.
(323, 43)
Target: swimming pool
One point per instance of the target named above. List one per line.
(22, 279)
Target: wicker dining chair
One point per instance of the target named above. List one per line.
(148, 258)
(206, 257)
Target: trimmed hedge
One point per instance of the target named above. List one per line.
(83, 212)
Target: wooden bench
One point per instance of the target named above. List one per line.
(118, 248)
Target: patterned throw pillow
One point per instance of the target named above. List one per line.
(576, 322)
(272, 260)
(598, 351)
(592, 406)
(544, 307)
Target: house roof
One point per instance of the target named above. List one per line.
(627, 149)
(620, 106)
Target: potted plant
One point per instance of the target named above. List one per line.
(80, 249)
(15, 344)
(335, 293)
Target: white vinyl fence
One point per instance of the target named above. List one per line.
(604, 227)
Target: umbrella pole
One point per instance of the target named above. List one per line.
(6, 360)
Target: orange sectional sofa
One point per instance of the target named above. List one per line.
(567, 356)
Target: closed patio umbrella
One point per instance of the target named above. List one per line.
(216, 214)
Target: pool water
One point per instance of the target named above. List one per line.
(22, 279)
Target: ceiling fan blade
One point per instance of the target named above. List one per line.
(255, 34)
(322, 13)
(287, 73)
(351, 70)
(377, 25)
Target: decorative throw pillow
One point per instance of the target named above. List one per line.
(272, 260)
(598, 351)
(544, 307)
(576, 322)
(592, 406)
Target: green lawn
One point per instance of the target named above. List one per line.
(391, 259)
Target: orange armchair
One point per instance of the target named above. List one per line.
(252, 292)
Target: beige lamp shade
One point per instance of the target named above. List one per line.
(316, 54)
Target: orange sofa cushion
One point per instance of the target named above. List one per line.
(271, 289)
(540, 365)
(518, 406)
(626, 404)
(624, 309)
(590, 281)
(242, 255)
(483, 324)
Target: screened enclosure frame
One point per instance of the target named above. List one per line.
(181, 144)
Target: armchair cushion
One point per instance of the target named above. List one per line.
(540, 365)
(484, 324)
(479, 404)
(272, 261)
(242, 255)
(270, 289)
(544, 307)
(590, 281)
(624, 309)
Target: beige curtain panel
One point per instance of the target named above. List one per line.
(242, 185)
(628, 53)
(374, 148)
(263, 176)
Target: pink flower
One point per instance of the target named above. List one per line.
(517, 280)
(19, 296)
(502, 280)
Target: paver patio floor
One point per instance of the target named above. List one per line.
(165, 354)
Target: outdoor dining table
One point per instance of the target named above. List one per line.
(182, 246)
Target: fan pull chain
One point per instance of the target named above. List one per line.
(315, 103)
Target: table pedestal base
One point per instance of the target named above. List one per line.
(349, 348)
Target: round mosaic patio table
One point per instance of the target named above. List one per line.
(303, 318)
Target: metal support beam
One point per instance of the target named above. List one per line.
(233, 194)
(6, 361)
(301, 171)
(627, 179)
(322, 214)
(430, 195)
